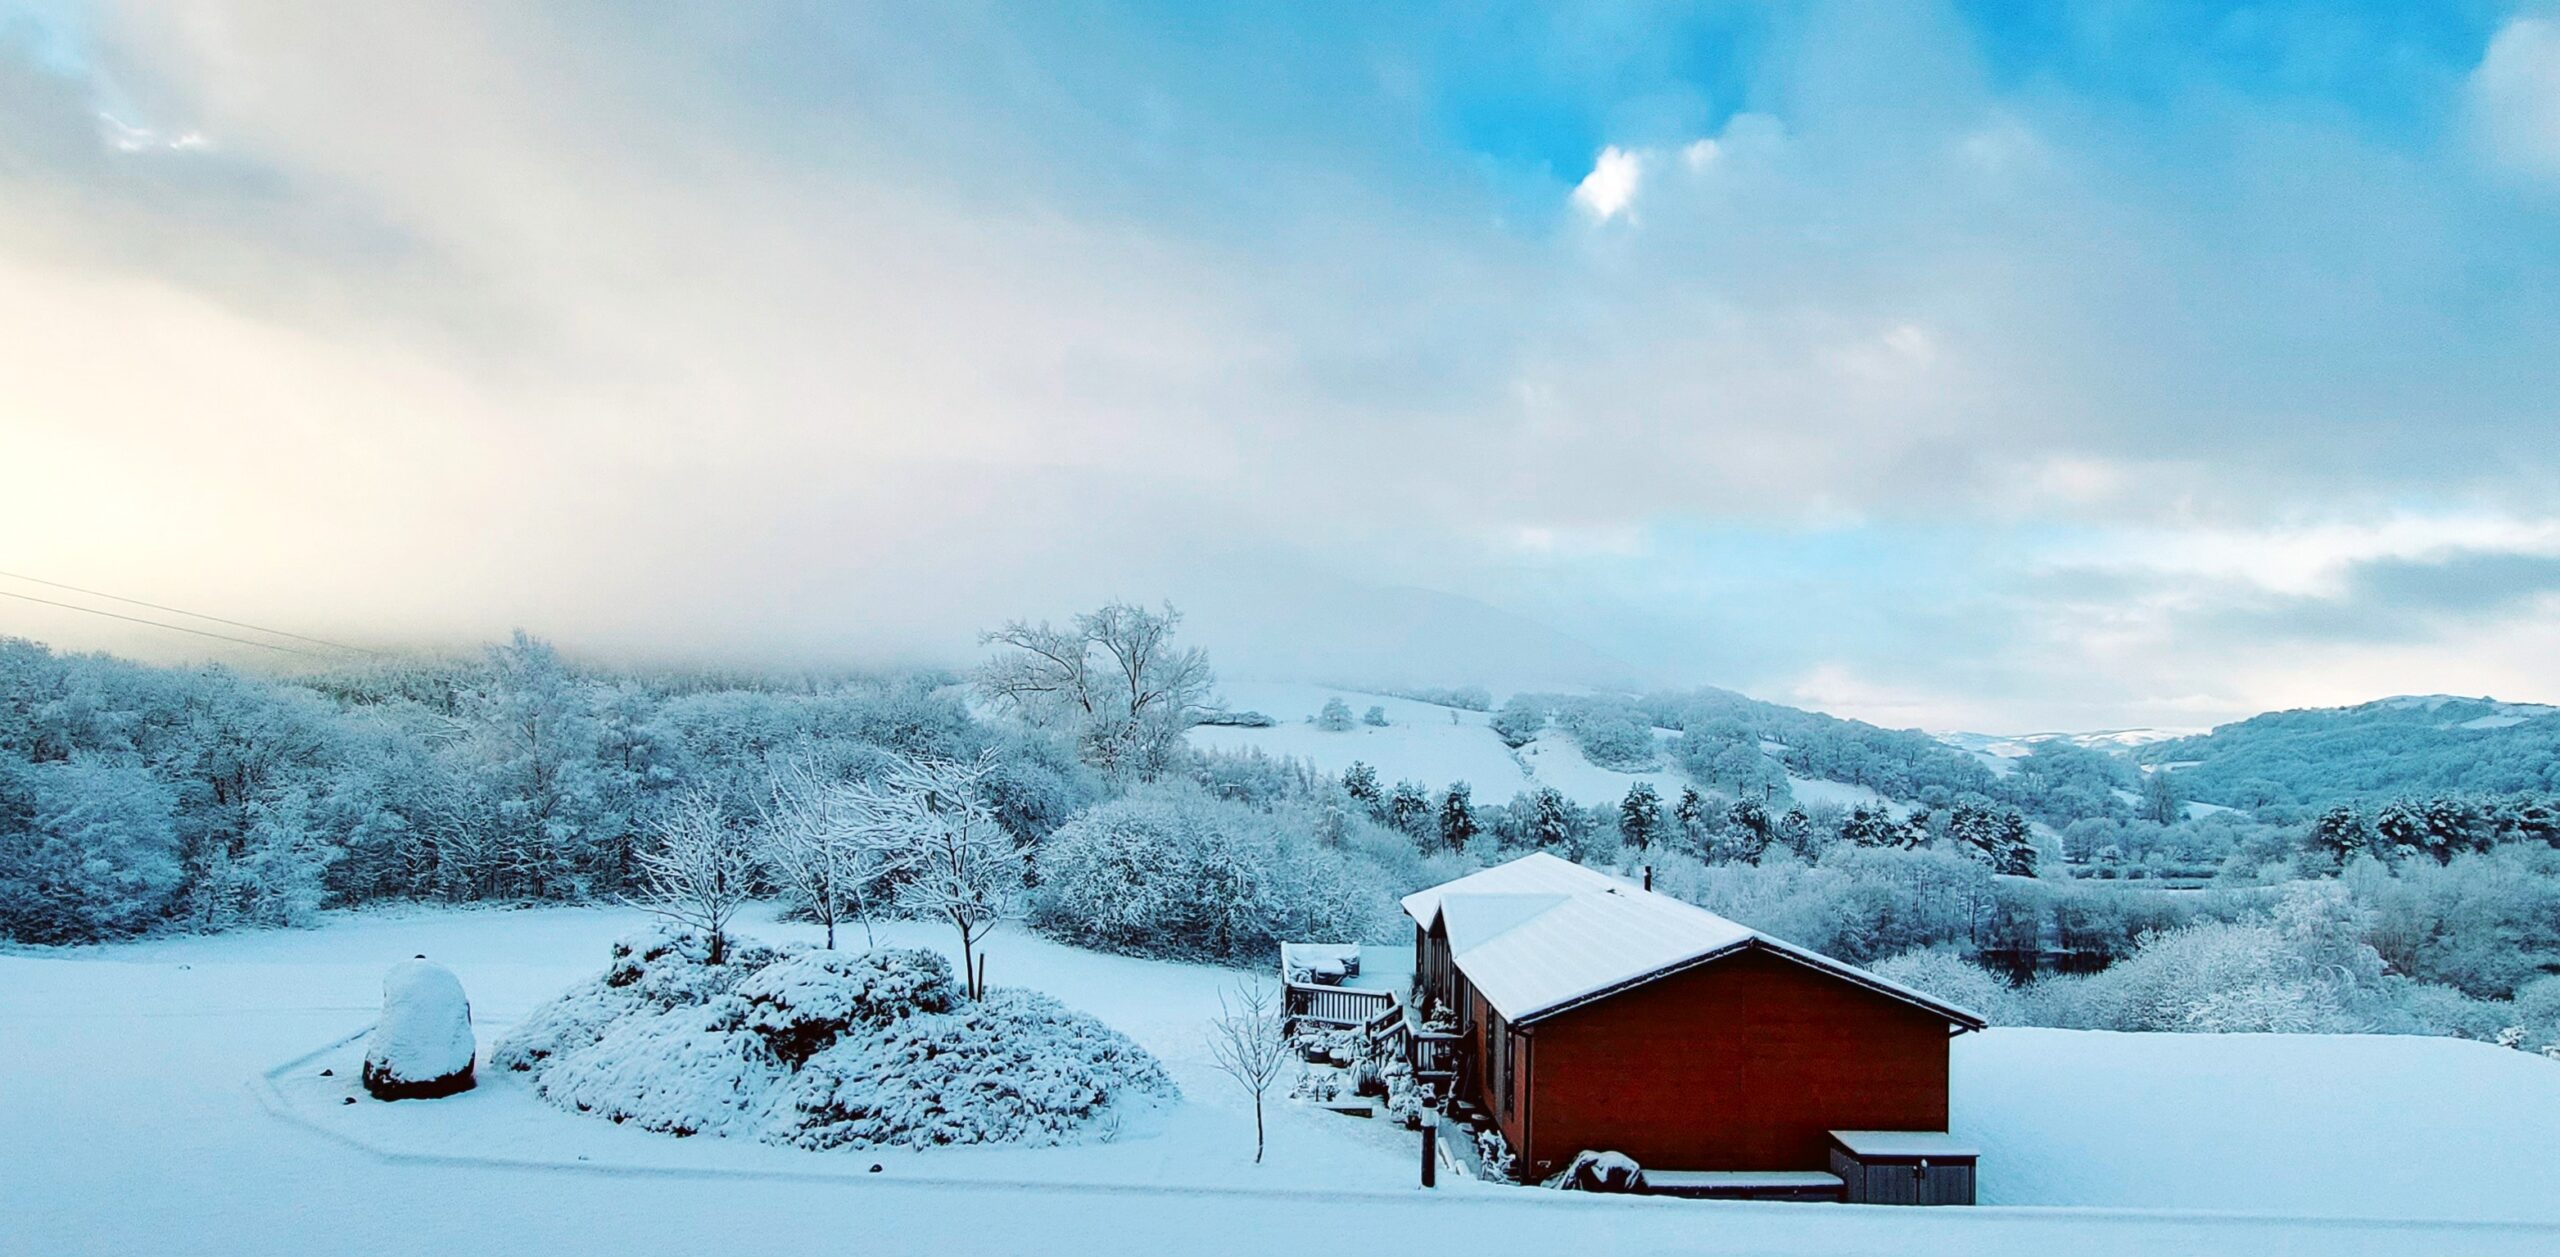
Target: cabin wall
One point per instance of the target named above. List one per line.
(1745, 1063)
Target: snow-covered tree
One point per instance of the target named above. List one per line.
(1409, 809)
(700, 870)
(1552, 819)
(1361, 782)
(1335, 717)
(955, 863)
(1519, 720)
(1748, 831)
(1247, 1043)
(1375, 717)
(816, 845)
(1640, 815)
(1689, 818)
(1113, 678)
(1458, 825)
(2340, 834)
(2161, 804)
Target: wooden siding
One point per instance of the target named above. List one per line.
(1907, 1181)
(1744, 1063)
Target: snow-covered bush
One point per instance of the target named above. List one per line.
(802, 1003)
(1175, 873)
(823, 1049)
(690, 1070)
(1016, 1067)
(1956, 980)
(422, 1047)
(655, 969)
(1493, 1152)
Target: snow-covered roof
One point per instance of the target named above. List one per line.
(1904, 1143)
(1540, 934)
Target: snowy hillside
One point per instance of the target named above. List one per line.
(1421, 742)
(2425, 744)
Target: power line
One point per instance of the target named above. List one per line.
(192, 615)
(114, 615)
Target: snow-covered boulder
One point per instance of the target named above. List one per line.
(422, 1047)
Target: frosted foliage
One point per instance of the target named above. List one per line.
(1955, 980)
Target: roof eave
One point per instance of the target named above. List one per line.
(1963, 1019)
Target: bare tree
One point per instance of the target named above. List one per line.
(700, 871)
(815, 844)
(956, 862)
(1114, 676)
(1246, 1044)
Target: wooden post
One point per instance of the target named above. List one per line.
(1430, 1152)
(982, 975)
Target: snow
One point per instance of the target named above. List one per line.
(1904, 1143)
(424, 1034)
(1420, 742)
(1742, 1180)
(133, 1059)
(2314, 1125)
(1537, 933)
(1819, 792)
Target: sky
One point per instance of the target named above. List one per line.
(2003, 367)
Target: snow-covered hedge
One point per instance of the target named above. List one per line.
(827, 1050)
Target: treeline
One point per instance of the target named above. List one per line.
(136, 797)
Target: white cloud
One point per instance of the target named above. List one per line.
(1700, 154)
(2515, 95)
(1611, 186)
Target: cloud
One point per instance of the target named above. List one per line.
(1611, 186)
(1986, 370)
(2516, 95)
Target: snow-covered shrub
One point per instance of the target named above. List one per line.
(1172, 872)
(1320, 1084)
(1016, 1067)
(422, 1047)
(1493, 1152)
(826, 1049)
(2537, 1007)
(654, 969)
(690, 1070)
(2213, 977)
(1956, 980)
(802, 1003)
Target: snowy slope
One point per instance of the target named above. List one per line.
(1438, 745)
(1421, 742)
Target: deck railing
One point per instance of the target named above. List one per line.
(1334, 1005)
(1435, 1052)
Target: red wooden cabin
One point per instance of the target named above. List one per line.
(1594, 1014)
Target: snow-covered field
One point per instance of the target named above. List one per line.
(166, 1097)
(1426, 743)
